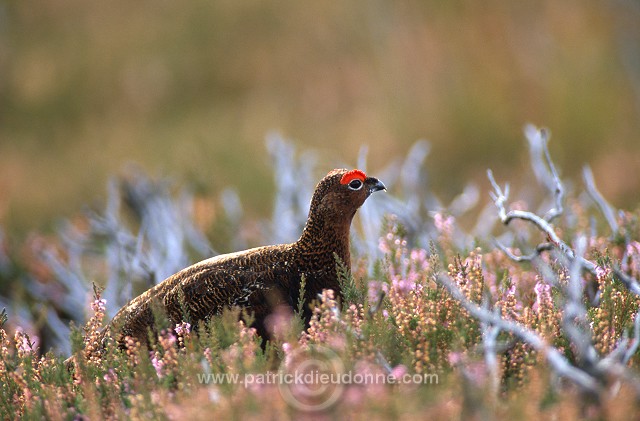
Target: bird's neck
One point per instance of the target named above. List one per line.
(322, 237)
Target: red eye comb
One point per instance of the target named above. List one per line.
(352, 175)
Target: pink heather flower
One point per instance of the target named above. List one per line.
(385, 314)
(476, 372)
(337, 342)
(24, 343)
(354, 394)
(24, 346)
(454, 358)
(399, 371)
(511, 290)
(183, 328)
(364, 367)
(99, 305)
(383, 246)
(279, 321)
(420, 258)
(110, 376)
(208, 355)
(543, 294)
(403, 286)
(633, 248)
(167, 339)
(443, 224)
(375, 288)
(632, 262)
(413, 276)
(601, 272)
(158, 364)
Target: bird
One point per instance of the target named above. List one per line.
(262, 278)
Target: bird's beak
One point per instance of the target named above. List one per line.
(376, 186)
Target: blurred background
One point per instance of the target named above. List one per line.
(191, 89)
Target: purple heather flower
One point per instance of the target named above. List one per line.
(158, 364)
(443, 224)
(601, 272)
(543, 294)
(99, 305)
(399, 371)
(375, 288)
(383, 246)
(183, 328)
(454, 358)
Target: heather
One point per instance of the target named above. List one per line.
(496, 305)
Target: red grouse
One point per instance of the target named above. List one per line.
(260, 278)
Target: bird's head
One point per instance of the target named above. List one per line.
(341, 192)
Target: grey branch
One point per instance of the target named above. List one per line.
(628, 281)
(555, 358)
(489, 342)
(527, 257)
(574, 318)
(499, 198)
(607, 210)
(377, 306)
(636, 340)
(591, 372)
(544, 168)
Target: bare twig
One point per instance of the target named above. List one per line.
(544, 169)
(538, 142)
(499, 198)
(574, 318)
(555, 358)
(540, 248)
(377, 307)
(489, 339)
(591, 372)
(615, 366)
(628, 281)
(636, 340)
(607, 210)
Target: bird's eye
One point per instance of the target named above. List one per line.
(355, 184)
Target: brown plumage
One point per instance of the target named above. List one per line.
(261, 278)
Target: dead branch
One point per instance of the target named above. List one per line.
(628, 281)
(542, 247)
(543, 167)
(489, 341)
(574, 317)
(592, 373)
(607, 210)
(549, 177)
(556, 359)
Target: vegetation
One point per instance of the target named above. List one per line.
(437, 320)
